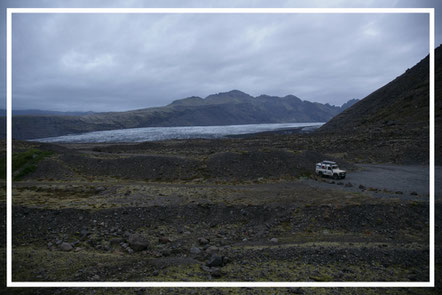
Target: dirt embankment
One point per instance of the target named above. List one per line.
(200, 160)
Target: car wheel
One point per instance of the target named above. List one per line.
(335, 176)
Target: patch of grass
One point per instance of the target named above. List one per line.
(304, 174)
(24, 163)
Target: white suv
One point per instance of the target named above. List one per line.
(329, 168)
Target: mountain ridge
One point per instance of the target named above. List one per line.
(394, 119)
(403, 102)
(225, 108)
(38, 112)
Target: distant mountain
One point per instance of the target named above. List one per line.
(43, 112)
(349, 104)
(226, 108)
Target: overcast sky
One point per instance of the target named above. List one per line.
(117, 62)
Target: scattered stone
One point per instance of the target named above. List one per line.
(155, 273)
(274, 240)
(66, 246)
(138, 242)
(413, 193)
(95, 278)
(212, 249)
(215, 261)
(195, 250)
(348, 184)
(166, 252)
(203, 241)
(84, 232)
(116, 241)
(216, 273)
(99, 189)
(361, 187)
(399, 193)
(244, 240)
(340, 183)
(164, 240)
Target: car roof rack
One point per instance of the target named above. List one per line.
(329, 162)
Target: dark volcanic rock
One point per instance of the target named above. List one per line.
(195, 250)
(203, 241)
(164, 240)
(138, 242)
(215, 261)
(66, 246)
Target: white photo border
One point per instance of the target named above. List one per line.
(11, 11)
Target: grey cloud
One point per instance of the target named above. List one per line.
(118, 62)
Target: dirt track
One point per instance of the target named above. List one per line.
(405, 182)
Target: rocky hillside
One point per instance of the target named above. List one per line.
(227, 108)
(401, 105)
(395, 118)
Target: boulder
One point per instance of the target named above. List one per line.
(195, 250)
(164, 240)
(215, 261)
(203, 241)
(274, 240)
(212, 249)
(66, 246)
(138, 242)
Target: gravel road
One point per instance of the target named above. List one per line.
(394, 178)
